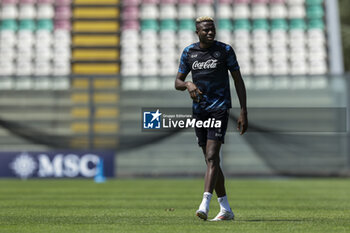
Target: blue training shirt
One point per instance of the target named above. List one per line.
(209, 69)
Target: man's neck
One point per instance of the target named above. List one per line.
(205, 45)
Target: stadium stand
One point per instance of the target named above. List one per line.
(81, 70)
(35, 37)
(263, 33)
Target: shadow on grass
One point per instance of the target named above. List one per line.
(270, 220)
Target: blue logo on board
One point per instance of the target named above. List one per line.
(151, 120)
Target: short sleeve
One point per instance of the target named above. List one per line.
(231, 60)
(184, 67)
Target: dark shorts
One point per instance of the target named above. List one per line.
(217, 134)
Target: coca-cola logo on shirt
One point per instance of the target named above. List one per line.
(210, 64)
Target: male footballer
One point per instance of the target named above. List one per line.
(209, 61)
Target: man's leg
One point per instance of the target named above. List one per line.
(210, 142)
(220, 181)
(213, 166)
(212, 159)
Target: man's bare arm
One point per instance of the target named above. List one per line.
(240, 89)
(181, 85)
(242, 96)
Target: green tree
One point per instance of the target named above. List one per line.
(344, 6)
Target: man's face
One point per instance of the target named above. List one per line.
(206, 32)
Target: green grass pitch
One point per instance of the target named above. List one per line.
(169, 205)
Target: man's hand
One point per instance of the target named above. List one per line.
(242, 122)
(195, 93)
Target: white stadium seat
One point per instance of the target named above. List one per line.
(9, 11)
(295, 2)
(129, 54)
(279, 37)
(260, 38)
(279, 53)
(168, 68)
(259, 11)
(8, 38)
(316, 52)
(64, 44)
(241, 37)
(130, 69)
(278, 11)
(279, 67)
(7, 67)
(45, 11)
(245, 67)
(61, 68)
(27, 11)
(43, 38)
(298, 67)
(261, 67)
(25, 53)
(24, 68)
(205, 9)
(149, 68)
(168, 11)
(297, 53)
(318, 67)
(186, 11)
(42, 68)
(186, 38)
(61, 53)
(224, 11)
(149, 54)
(316, 36)
(7, 54)
(241, 11)
(296, 11)
(168, 38)
(62, 36)
(43, 54)
(224, 36)
(169, 54)
(25, 38)
(297, 36)
(242, 52)
(4, 59)
(261, 53)
(149, 38)
(149, 11)
(129, 36)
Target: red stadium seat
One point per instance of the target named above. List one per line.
(63, 12)
(260, 1)
(241, 1)
(168, 1)
(130, 13)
